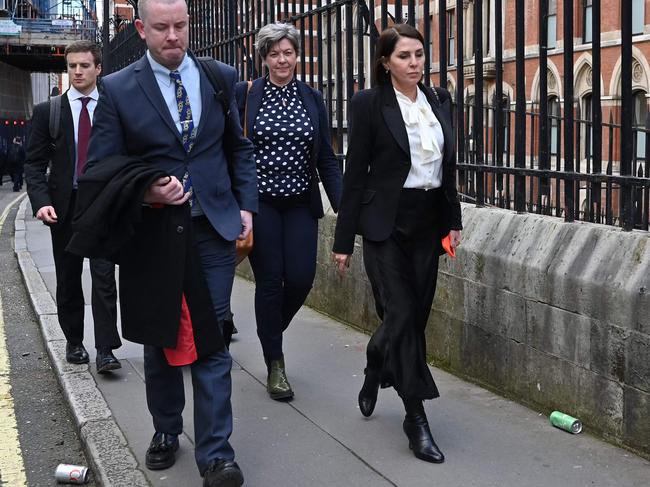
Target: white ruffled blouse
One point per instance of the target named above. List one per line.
(426, 141)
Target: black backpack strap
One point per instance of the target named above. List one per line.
(214, 74)
(55, 116)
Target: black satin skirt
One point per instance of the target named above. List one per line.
(403, 272)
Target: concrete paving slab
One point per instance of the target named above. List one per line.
(85, 398)
(32, 278)
(114, 463)
(19, 226)
(20, 243)
(50, 328)
(56, 350)
(43, 303)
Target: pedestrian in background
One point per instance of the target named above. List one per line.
(3, 160)
(53, 199)
(16, 163)
(286, 120)
(163, 111)
(399, 194)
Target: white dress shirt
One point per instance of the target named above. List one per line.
(191, 78)
(426, 141)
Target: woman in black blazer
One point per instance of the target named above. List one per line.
(286, 121)
(399, 194)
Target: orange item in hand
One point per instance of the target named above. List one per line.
(446, 245)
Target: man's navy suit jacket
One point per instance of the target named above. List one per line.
(132, 119)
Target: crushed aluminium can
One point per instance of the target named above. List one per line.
(566, 422)
(71, 474)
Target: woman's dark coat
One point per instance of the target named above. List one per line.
(323, 165)
(378, 162)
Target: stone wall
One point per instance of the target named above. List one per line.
(554, 315)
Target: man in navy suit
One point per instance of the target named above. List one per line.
(164, 110)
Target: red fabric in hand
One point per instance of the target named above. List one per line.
(185, 351)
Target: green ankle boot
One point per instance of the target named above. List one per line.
(277, 384)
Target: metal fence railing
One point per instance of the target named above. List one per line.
(551, 155)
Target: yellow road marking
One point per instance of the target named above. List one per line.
(12, 470)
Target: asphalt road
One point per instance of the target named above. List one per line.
(46, 431)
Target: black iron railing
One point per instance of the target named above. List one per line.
(541, 155)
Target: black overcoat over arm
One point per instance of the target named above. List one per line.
(159, 262)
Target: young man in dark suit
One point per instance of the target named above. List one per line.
(16, 162)
(3, 160)
(53, 198)
(164, 111)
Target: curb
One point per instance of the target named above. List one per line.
(111, 459)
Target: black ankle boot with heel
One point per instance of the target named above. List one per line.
(369, 391)
(416, 427)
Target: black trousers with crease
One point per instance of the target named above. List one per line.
(70, 301)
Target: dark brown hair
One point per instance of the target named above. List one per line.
(386, 45)
(85, 46)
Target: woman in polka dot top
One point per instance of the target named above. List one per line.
(286, 121)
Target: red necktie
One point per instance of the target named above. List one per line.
(83, 136)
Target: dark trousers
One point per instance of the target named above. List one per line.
(283, 260)
(69, 292)
(403, 272)
(211, 381)
(17, 178)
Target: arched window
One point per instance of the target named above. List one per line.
(640, 116)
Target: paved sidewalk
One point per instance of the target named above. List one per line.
(320, 438)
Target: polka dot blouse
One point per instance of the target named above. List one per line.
(283, 138)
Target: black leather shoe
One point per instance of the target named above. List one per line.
(161, 451)
(223, 473)
(417, 430)
(106, 361)
(76, 354)
(368, 393)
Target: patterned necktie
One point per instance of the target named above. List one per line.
(188, 131)
(83, 136)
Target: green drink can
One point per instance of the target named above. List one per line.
(566, 422)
